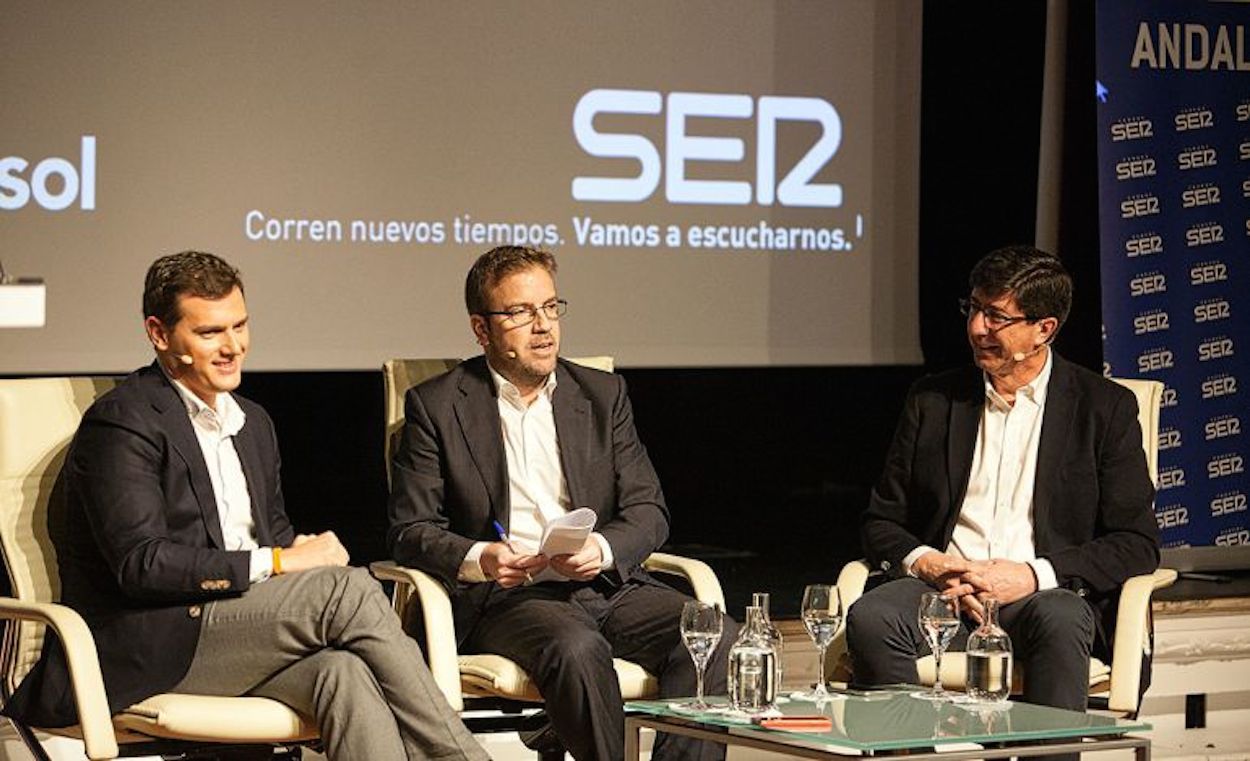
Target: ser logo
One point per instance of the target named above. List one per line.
(1196, 158)
(1243, 150)
(1222, 427)
(681, 148)
(1233, 538)
(1143, 244)
(1215, 348)
(55, 183)
(1225, 465)
(1131, 129)
(1150, 322)
(1219, 385)
(1212, 310)
(1200, 195)
(1169, 398)
(1204, 234)
(1169, 438)
(1143, 205)
(1201, 118)
(1228, 503)
(1171, 478)
(1206, 273)
(1172, 516)
(1136, 167)
(1156, 359)
(1243, 112)
(1147, 283)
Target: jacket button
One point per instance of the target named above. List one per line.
(194, 611)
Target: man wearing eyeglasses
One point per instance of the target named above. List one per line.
(505, 443)
(1022, 478)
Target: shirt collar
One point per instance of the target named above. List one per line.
(227, 416)
(1034, 390)
(508, 391)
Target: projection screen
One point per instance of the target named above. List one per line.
(724, 183)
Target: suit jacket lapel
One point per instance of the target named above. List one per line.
(572, 416)
(967, 405)
(477, 412)
(1057, 419)
(177, 424)
(248, 449)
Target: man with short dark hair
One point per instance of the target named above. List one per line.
(174, 545)
(517, 438)
(1023, 479)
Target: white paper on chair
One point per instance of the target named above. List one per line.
(568, 533)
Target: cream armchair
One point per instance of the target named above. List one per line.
(38, 417)
(466, 679)
(1118, 684)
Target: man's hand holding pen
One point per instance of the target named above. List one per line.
(506, 566)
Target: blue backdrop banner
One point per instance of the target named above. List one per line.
(1174, 188)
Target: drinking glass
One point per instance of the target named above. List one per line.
(700, 631)
(822, 615)
(939, 621)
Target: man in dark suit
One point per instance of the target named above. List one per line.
(520, 437)
(174, 544)
(1022, 478)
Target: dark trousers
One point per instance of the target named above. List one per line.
(565, 635)
(1051, 633)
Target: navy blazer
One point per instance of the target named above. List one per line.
(134, 520)
(449, 477)
(1092, 503)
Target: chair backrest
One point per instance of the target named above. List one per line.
(399, 375)
(1149, 398)
(38, 417)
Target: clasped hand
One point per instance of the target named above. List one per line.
(974, 580)
(313, 551)
(510, 569)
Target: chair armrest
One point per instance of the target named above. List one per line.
(440, 628)
(851, 582)
(700, 575)
(1132, 637)
(84, 669)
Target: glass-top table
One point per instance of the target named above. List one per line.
(891, 720)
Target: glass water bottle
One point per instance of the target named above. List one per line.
(761, 600)
(989, 658)
(753, 666)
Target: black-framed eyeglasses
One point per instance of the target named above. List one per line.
(527, 313)
(994, 319)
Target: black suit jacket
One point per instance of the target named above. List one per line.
(1092, 513)
(134, 520)
(449, 477)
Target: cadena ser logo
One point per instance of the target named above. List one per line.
(1205, 273)
(1221, 427)
(1143, 244)
(1132, 129)
(1171, 478)
(53, 183)
(682, 148)
(1220, 385)
(1225, 465)
(1215, 348)
(1210, 310)
(1227, 503)
(1169, 438)
(1172, 516)
(1155, 359)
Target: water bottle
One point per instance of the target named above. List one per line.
(760, 600)
(989, 659)
(753, 666)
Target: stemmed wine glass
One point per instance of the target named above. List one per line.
(700, 631)
(822, 615)
(939, 621)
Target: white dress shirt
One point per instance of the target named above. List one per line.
(996, 518)
(215, 429)
(537, 489)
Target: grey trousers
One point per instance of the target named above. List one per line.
(326, 643)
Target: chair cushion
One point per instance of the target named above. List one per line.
(955, 672)
(216, 719)
(496, 676)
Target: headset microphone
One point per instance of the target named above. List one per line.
(511, 354)
(186, 359)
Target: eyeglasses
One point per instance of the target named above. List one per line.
(994, 319)
(527, 313)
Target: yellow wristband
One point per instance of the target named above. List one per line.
(277, 560)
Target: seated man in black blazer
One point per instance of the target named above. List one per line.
(1022, 478)
(516, 438)
(174, 545)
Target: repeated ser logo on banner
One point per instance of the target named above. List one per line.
(1174, 186)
